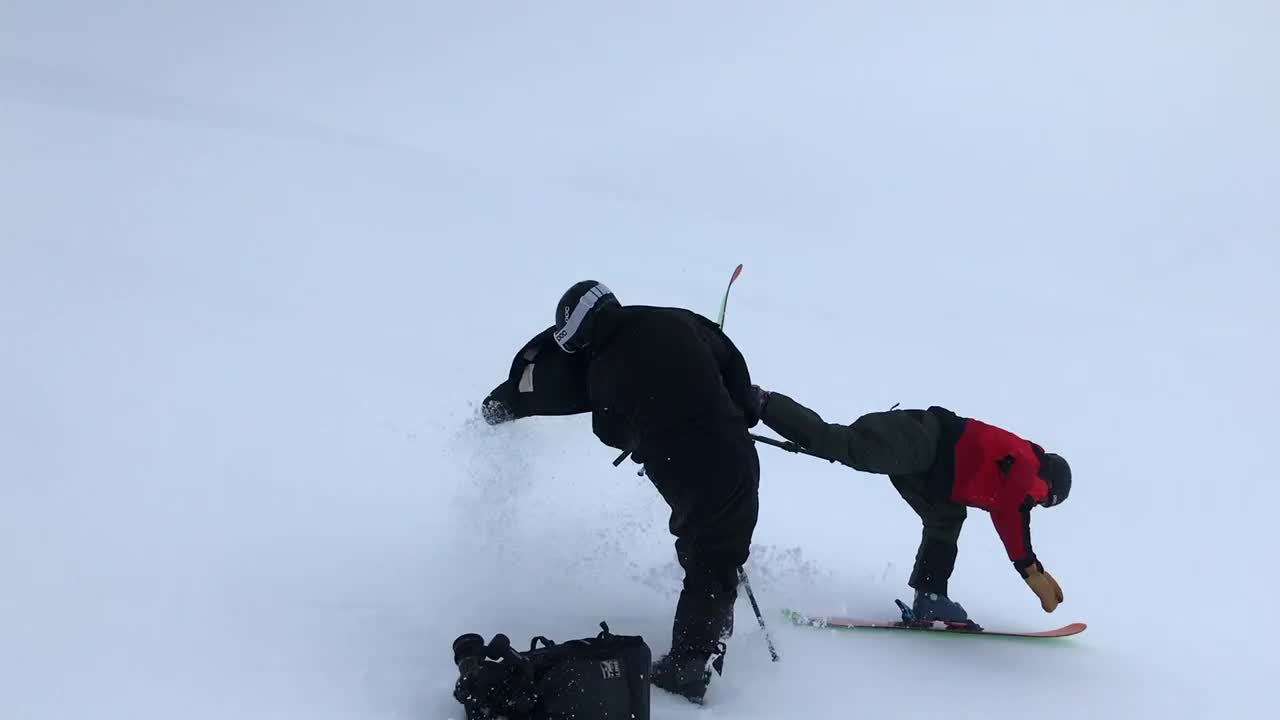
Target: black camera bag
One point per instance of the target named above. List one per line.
(601, 678)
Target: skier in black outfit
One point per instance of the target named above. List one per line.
(669, 386)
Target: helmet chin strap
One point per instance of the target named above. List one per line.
(1052, 499)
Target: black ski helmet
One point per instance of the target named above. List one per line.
(1055, 471)
(577, 311)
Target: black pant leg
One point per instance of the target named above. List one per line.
(712, 542)
(704, 613)
(894, 442)
(939, 537)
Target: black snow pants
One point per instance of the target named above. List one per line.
(915, 448)
(942, 520)
(712, 487)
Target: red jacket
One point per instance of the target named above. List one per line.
(999, 472)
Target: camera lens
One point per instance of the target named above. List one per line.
(466, 646)
(499, 646)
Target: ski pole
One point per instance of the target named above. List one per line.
(742, 576)
(788, 446)
(783, 444)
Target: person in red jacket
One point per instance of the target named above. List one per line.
(941, 464)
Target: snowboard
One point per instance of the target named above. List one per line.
(845, 623)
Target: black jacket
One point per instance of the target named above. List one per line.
(663, 379)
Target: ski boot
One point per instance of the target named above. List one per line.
(687, 674)
(929, 608)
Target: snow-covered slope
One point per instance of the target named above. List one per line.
(260, 261)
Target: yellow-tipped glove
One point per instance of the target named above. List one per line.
(1043, 585)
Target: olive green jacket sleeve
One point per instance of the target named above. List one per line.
(896, 442)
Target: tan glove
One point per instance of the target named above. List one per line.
(1044, 586)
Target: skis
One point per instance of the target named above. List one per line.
(724, 303)
(845, 623)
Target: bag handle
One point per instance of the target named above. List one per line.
(604, 633)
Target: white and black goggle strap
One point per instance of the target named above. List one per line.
(578, 315)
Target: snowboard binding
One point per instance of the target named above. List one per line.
(909, 620)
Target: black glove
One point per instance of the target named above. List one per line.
(756, 401)
(496, 412)
(499, 405)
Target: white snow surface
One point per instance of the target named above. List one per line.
(260, 261)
